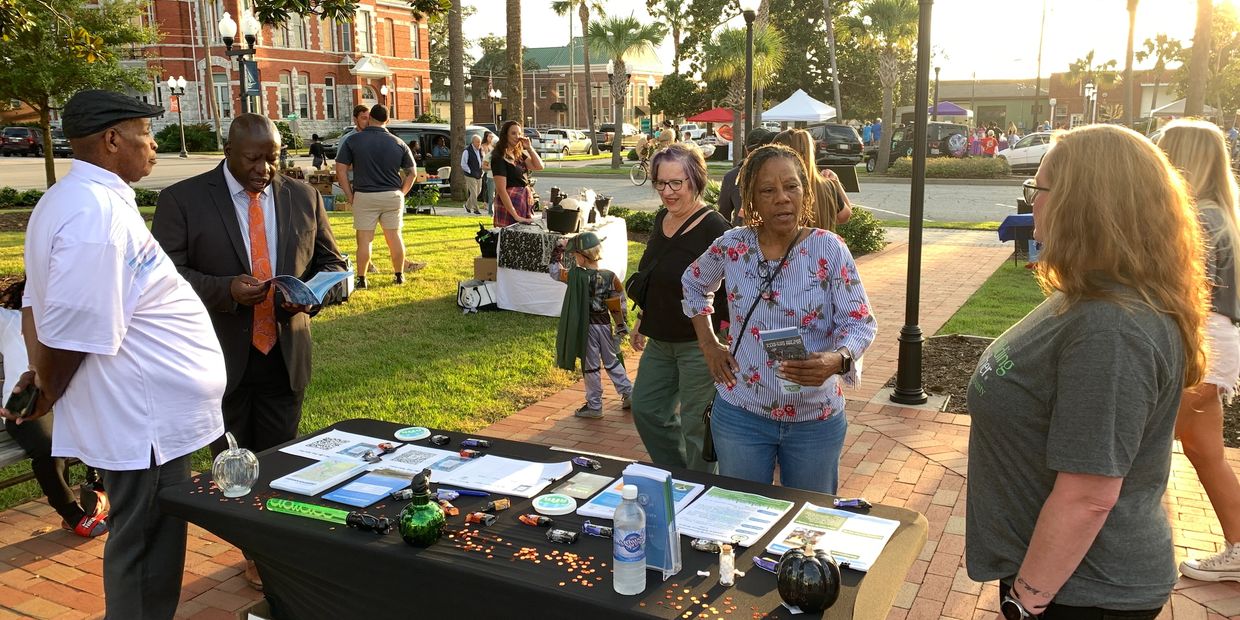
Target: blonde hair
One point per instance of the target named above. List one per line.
(1118, 212)
(748, 177)
(825, 207)
(1198, 149)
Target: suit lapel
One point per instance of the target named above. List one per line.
(286, 241)
(228, 214)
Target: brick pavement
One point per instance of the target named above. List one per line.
(896, 455)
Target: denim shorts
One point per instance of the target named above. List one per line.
(749, 445)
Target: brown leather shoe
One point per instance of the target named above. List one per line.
(251, 575)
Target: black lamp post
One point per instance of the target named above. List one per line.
(749, 9)
(934, 112)
(908, 389)
(495, 94)
(176, 88)
(249, 29)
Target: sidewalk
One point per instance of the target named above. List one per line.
(894, 455)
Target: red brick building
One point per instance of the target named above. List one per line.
(312, 71)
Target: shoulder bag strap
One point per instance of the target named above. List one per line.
(767, 284)
(679, 231)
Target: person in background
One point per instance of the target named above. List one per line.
(990, 144)
(831, 205)
(593, 299)
(1010, 138)
(471, 165)
(317, 152)
(780, 274)
(876, 131)
(1073, 408)
(121, 346)
(673, 385)
(415, 148)
(729, 190)
(441, 148)
(384, 173)
(87, 519)
(1199, 151)
(361, 118)
(666, 136)
(511, 164)
(488, 179)
(867, 133)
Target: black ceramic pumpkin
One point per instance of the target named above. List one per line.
(808, 579)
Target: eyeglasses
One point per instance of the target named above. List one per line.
(1031, 189)
(675, 184)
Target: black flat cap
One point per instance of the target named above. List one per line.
(92, 111)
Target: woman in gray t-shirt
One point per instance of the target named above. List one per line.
(1073, 408)
(1199, 150)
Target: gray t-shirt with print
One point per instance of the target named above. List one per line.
(1090, 389)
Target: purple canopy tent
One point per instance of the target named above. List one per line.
(947, 108)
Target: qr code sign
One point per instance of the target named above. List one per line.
(327, 444)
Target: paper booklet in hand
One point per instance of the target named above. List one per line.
(311, 292)
(784, 344)
(654, 493)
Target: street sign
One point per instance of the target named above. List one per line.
(646, 124)
(292, 117)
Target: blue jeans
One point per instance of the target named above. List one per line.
(749, 445)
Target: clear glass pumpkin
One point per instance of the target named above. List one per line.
(235, 470)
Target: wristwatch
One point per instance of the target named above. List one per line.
(1012, 609)
(846, 360)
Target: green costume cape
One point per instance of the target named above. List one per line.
(570, 335)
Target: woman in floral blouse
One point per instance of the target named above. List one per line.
(792, 276)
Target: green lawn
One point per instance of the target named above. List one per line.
(1005, 298)
(406, 353)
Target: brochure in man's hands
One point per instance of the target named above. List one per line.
(311, 292)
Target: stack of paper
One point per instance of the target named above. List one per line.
(603, 505)
(732, 516)
(654, 493)
(319, 477)
(854, 540)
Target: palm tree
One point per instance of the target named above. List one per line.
(456, 94)
(672, 13)
(564, 7)
(1161, 48)
(1198, 64)
(617, 37)
(887, 28)
(835, 72)
(725, 60)
(1129, 106)
(514, 105)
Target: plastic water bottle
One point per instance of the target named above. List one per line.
(629, 544)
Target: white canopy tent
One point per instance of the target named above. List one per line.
(800, 108)
(1176, 108)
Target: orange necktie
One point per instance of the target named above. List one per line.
(260, 267)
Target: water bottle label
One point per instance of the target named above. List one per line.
(630, 547)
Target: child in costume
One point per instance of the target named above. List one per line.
(594, 299)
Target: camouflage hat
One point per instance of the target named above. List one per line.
(583, 241)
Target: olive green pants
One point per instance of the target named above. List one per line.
(672, 389)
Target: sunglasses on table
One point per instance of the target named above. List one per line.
(1031, 188)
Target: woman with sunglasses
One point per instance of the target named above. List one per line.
(673, 385)
(1199, 150)
(780, 407)
(1073, 408)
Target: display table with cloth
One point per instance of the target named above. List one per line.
(314, 569)
(524, 251)
(1019, 228)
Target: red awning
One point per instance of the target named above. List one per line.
(714, 115)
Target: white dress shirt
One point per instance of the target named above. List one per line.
(241, 202)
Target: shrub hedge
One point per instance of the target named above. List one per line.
(17, 199)
(198, 137)
(953, 168)
(862, 232)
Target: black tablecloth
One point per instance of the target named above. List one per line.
(314, 569)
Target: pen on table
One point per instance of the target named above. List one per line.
(468, 492)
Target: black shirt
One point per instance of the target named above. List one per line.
(663, 318)
(515, 173)
(730, 196)
(377, 158)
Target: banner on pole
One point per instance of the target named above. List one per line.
(253, 88)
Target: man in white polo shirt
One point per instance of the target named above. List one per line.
(121, 346)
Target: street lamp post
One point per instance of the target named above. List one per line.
(1051, 120)
(749, 9)
(383, 92)
(1090, 92)
(495, 95)
(249, 29)
(934, 112)
(176, 88)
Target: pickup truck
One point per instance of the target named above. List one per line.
(628, 140)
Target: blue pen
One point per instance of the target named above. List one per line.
(467, 492)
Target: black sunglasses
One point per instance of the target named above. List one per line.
(1030, 188)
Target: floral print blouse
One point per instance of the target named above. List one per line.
(817, 291)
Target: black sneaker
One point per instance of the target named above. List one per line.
(398, 278)
(361, 282)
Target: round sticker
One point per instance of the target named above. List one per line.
(413, 433)
(555, 504)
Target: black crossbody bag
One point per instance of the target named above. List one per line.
(638, 283)
(708, 442)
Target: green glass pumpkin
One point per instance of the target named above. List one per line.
(421, 522)
(808, 579)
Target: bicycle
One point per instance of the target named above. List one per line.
(640, 172)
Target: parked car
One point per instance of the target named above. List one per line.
(489, 127)
(425, 135)
(567, 140)
(60, 144)
(836, 144)
(695, 133)
(942, 140)
(1027, 154)
(607, 130)
(22, 141)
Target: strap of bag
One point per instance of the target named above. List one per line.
(770, 279)
(698, 215)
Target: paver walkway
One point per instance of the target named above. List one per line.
(895, 455)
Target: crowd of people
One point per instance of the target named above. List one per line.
(1074, 409)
